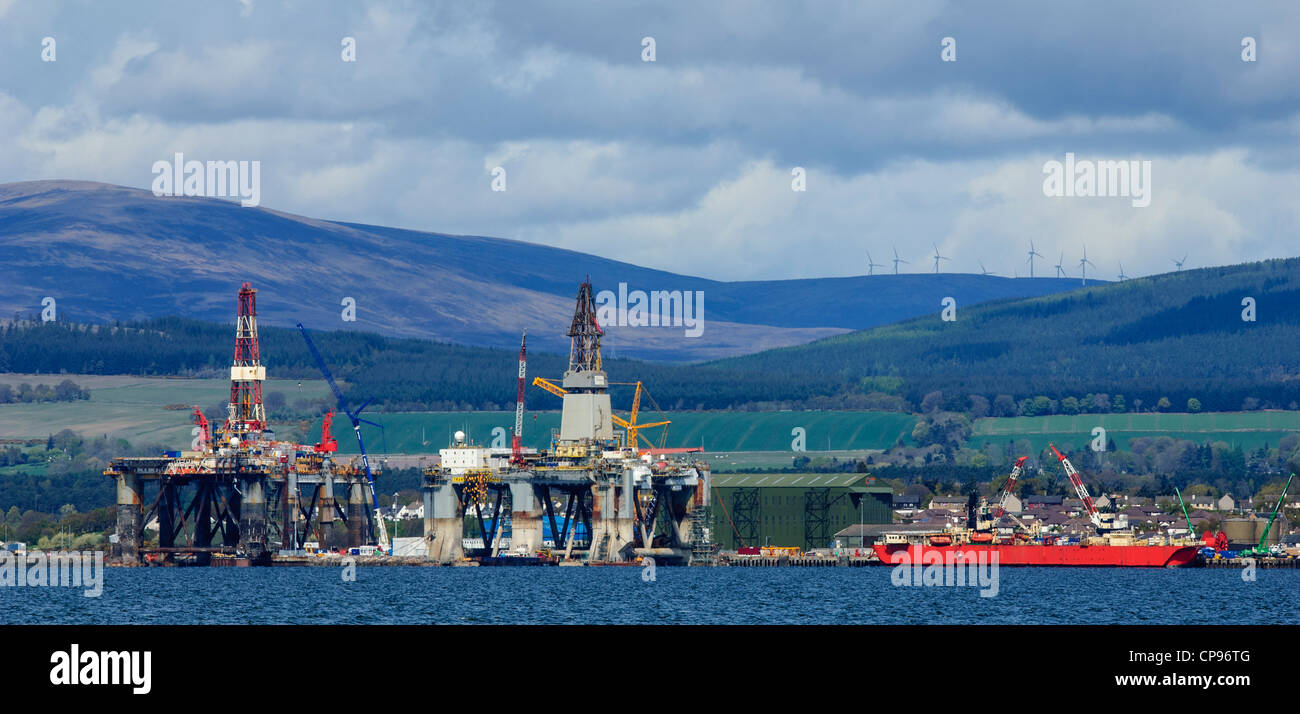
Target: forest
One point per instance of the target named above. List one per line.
(1214, 339)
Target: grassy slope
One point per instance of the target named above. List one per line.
(1248, 429)
(131, 408)
(1179, 335)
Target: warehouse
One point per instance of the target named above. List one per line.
(804, 510)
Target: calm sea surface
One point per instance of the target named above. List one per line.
(408, 595)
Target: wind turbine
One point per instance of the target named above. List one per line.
(985, 271)
(897, 260)
(1122, 276)
(937, 258)
(1032, 253)
(1084, 263)
(872, 265)
(1179, 263)
(1059, 270)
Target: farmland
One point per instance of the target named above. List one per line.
(1250, 430)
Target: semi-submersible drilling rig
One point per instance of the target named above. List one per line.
(604, 498)
(239, 491)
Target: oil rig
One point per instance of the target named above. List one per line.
(603, 498)
(239, 493)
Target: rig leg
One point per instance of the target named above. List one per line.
(525, 519)
(444, 523)
(252, 517)
(129, 513)
(356, 514)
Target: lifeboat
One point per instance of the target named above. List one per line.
(940, 540)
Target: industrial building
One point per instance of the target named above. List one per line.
(804, 510)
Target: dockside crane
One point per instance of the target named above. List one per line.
(1262, 548)
(357, 421)
(1079, 488)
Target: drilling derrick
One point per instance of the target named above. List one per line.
(245, 413)
(584, 348)
(586, 412)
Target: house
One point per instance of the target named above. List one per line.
(1102, 501)
(1014, 504)
(1035, 502)
(955, 504)
(1226, 503)
(1201, 502)
(906, 502)
(1073, 506)
(411, 511)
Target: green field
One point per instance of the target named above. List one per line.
(716, 431)
(130, 407)
(1250, 430)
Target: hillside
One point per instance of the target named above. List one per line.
(108, 253)
(1179, 336)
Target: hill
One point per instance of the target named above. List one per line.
(109, 253)
(1177, 336)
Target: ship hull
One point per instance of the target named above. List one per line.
(1093, 556)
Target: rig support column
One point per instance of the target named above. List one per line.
(612, 520)
(290, 529)
(444, 523)
(252, 515)
(129, 512)
(525, 518)
(356, 514)
(326, 507)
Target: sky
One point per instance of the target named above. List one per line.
(688, 163)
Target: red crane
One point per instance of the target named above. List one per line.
(1079, 488)
(202, 423)
(1010, 485)
(516, 446)
(328, 444)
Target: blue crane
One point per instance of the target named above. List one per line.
(357, 421)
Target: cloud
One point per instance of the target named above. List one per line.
(684, 163)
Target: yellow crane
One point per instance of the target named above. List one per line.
(633, 428)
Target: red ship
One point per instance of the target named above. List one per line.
(1111, 548)
(1124, 556)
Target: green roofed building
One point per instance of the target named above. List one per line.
(793, 509)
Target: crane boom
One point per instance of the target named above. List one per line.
(517, 444)
(1010, 486)
(1262, 548)
(549, 386)
(357, 421)
(1079, 488)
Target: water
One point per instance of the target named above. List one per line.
(407, 595)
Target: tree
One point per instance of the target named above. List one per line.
(1193, 405)
(1163, 404)
(931, 402)
(1070, 405)
(1004, 405)
(1117, 404)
